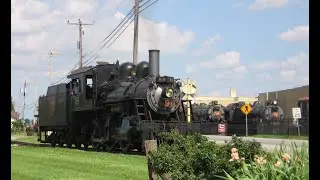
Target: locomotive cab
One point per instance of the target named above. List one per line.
(81, 88)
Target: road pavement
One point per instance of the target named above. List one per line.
(267, 143)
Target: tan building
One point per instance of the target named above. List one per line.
(287, 98)
(224, 100)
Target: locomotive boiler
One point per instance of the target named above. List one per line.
(112, 106)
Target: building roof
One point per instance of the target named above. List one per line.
(15, 115)
(304, 99)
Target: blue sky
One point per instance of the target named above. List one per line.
(253, 46)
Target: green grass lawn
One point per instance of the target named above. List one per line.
(31, 163)
(281, 136)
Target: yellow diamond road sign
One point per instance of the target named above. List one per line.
(246, 109)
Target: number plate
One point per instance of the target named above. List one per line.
(168, 103)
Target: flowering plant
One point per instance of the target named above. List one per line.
(279, 165)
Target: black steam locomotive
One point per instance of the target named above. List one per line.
(112, 106)
(212, 112)
(266, 112)
(233, 112)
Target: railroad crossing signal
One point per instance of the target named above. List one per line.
(246, 109)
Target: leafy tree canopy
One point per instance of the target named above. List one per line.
(12, 106)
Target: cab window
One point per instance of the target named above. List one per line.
(76, 86)
(89, 87)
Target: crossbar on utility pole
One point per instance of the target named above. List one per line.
(135, 32)
(81, 32)
(50, 54)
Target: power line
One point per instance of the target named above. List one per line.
(97, 46)
(65, 77)
(117, 29)
(127, 20)
(126, 26)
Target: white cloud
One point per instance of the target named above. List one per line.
(228, 63)
(237, 4)
(296, 62)
(264, 76)
(40, 26)
(295, 69)
(288, 75)
(211, 41)
(265, 65)
(235, 73)
(301, 3)
(298, 33)
(263, 4)
(190, 68)
(208, 45)
(229, 59)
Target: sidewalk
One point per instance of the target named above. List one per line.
(267, 143)
(14, 137)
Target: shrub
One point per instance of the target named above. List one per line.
(192, 156)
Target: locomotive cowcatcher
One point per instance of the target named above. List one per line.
(112, 106)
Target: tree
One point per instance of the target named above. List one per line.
(12, 106)
(27, 121)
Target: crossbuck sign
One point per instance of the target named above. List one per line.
(296, 113)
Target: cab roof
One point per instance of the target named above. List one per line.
(79, 71)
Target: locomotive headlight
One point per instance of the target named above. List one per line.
(274, 102)
(169, 92)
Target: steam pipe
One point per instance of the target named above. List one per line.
(154, 58)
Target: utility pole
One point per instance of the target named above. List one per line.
(81, 32)
(135, 32)
(24, 98)
(51, 53)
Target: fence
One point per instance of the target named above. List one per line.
(285, 127)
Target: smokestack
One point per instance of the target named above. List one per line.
(154, 62)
